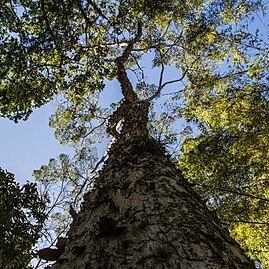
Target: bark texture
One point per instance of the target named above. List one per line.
(141, 213)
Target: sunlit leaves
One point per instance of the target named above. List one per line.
(79, 118)
(43, 52)
(254, 70)
(71, 46)
(229, 159)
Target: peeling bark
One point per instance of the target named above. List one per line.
(142, 213)
(134, 119)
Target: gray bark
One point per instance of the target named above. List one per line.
(142, 213)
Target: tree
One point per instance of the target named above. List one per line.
(228, 159)
(21, 219)
(229, 163)
(70, 49)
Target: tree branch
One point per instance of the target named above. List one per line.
(84, 14)
(96, 127)
(228, 190)
(245, 221)
(126, 86)
(48, 24)
(245, 194)
(98, 10)
(161, 86)
(87, 179)
(140, 69)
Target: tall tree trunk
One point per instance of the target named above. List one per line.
(142, 213)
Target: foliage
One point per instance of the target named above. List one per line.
(70, 47)
(21, 220)
(207, 63)
(229, 160)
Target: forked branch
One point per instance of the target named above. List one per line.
(162, 85)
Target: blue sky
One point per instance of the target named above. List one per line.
(27, 145)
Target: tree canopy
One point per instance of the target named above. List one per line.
(71, 47)
(70, 50)
(228, 161)
(21, 219)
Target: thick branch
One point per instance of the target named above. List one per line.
(126, 86)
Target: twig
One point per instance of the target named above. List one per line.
(140, 68)
(48, 25)
(228, 190)
(161, 86)
(245, 221)
(98, 10)
(84, 14)
(87, 179)
(96, 127)
(171, 93)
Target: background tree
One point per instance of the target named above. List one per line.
(70, 50)
(21, 219)
(228, 161)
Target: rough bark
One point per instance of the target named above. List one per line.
(142, 213)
